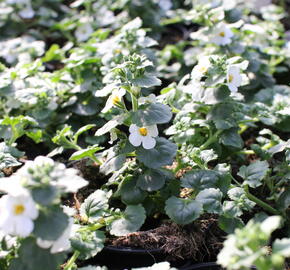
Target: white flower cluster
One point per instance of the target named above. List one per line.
(18, 208)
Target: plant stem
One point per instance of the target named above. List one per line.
(246, 152)
(264, 205)
(134, 102)
(94, 159)
(72, 260)
(211, 140)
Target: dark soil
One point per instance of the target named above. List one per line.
(200, 241)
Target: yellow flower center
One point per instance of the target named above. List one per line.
(116, 100)
(222, 34)
(231, 77)
(19, 209)
(116, 51)
(203, 69)
(143, 131)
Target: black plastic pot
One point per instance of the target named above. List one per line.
(120, 258)
(205, 266)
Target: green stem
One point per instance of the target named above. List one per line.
(94, 159)
(134, 103)
(211, 140)
(246, 152)
(72, 260)
(264, 205)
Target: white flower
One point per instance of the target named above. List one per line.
(114, 99)
(17, 214)
(150, 99)
(83, 32)
(144, 135)
(165, 4)
(201, 68)
(59, 245)
(234, 78)
(222, 35)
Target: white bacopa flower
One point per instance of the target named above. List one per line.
(144, 100)
(222, 35)
(201, 68)
(234, 78)
(114, 99)
(165, 4)
(17, 214)
(83, 32)
(144, 135)
(59, 245)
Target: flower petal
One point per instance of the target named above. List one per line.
(23, 226)
(133, 128)
(135, 139)
(152, 131)
(148, 142)
(232, 87)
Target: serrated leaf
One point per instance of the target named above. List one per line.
(162, 154)
(210, 199)
(88, 243)
(254, 173)
(133, 218)
(155, 113)
(183, 211)
(6, 161)
(93, 206)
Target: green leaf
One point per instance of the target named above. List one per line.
(222, 115)
(118, 120)
(254, 173)
(113, 164)
(282, 247)
(88, 243)
(130, 193)
(146, 81)
(229, 224)
(133, 218)
(44, 195)
(155, 113)
(35, 134)
(230, 137)
(50, 223)
(32, 257)
(84, 153)
(201, 179)
(93, 206)
(6, 161)
(151, 180)
(162, 154)
(211, 200)
(283, 201)
(183, 211)
(82, 130)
